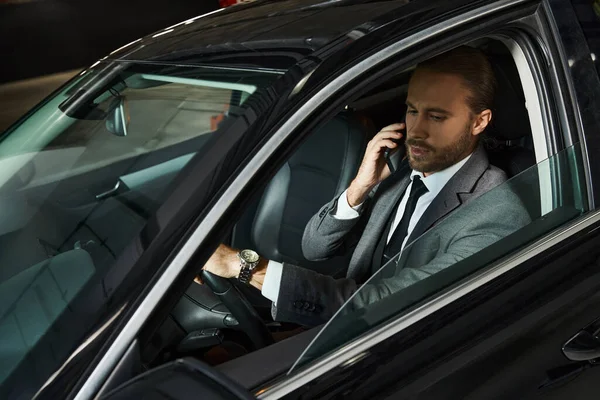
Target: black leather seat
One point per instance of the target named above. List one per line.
(322, 167)
(508, 138)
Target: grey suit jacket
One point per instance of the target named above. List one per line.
(309, 298)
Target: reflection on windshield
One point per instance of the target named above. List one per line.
(81, 180)
(547, 195)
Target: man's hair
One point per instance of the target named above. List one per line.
(474, 68)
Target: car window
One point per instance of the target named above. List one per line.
(501, 221)
(80, 177)
(158, 117)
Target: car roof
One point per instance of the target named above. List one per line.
(266, 34)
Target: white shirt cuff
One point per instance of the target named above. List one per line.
(272, 282)
(344, 211)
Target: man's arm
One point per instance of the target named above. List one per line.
(475, 235)
(333, 230)
(309, 298)
(225, 263)
(328, 233)
(299, 289)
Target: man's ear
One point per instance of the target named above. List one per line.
(481, 122)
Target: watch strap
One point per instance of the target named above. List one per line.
(245, 273)
(246, 267)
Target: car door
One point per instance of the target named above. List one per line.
(181, 380)
(475, 336)
(526, 324)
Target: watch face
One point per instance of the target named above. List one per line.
(250, 256)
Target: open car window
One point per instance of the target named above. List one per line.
(517, 213)
(80, 178)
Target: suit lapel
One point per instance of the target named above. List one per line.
(457, 191)
(386, 197)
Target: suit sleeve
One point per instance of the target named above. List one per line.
(309, 298)
(475, 235)
(326, 236)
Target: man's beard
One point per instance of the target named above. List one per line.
(438, 159)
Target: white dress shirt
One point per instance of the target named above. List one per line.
(434, 184)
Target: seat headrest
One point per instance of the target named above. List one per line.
(510, 120)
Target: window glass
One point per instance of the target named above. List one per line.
(79, 179)
(501, 221)
(158, 117)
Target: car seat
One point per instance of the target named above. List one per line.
(508, 138)
(321, 168)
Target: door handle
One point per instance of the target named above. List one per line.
(110, 192)
(584, 346)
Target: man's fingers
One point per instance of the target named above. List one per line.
(379, 147)
(387, 137)
(390, 144)
(198, 280)
(391, 134)
(394, 127)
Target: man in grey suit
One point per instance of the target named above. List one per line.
(380, 216)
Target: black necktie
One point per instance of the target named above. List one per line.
(394, 246)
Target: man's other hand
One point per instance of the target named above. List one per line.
(224, 262)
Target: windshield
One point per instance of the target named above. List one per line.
(81, 178)
(551, 192)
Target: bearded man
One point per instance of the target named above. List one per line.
(382, 213)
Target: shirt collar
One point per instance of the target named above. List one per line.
(436, 181)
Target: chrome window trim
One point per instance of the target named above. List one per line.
(357, 349)
(124, 339)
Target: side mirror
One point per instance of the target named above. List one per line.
(117, 117)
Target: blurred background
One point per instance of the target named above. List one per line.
(44, 43)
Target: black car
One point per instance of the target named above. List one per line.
(235, 128)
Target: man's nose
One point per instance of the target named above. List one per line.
(417, 128)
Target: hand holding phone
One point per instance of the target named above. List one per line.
(381, 151)
(400, 149)
(387, 154)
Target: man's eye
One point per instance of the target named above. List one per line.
(412, 112)
(437, 118)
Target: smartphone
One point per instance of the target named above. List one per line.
(399, 155)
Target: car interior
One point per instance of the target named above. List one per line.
(221, 322)
(274, 223)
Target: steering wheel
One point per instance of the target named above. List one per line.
(240, 308)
